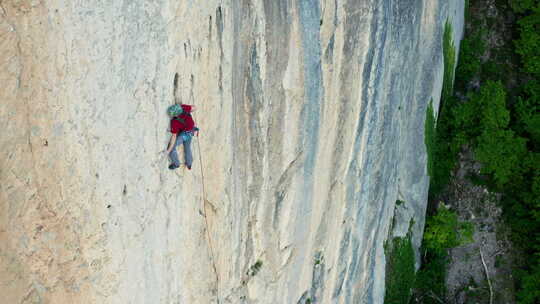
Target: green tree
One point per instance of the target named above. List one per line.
(483, 111)
(469, 59)
(527, 113)
(491, 105)
(501, 154)
(528, 43)
(520, 6)
(530, 285)
(484, 120)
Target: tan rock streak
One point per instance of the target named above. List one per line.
(41, 246)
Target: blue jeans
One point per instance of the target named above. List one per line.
(182, 138)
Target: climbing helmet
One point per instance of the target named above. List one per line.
(174, 110)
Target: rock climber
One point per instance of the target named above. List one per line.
(182, 129)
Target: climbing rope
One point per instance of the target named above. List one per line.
(204, 203)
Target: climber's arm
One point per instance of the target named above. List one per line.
(171, 143)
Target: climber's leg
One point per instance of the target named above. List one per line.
(187, 152)
(174, 155)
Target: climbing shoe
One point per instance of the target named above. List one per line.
(173, 166)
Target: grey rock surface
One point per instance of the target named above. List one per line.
(312, 117)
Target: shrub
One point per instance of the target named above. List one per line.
(444, 231)
(400, 272)
(441, 151)
(431, 279)
(430, 138)
(449, 55)
(254, 269)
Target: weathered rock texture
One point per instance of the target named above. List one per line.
(312, 117)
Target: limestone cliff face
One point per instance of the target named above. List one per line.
(312, 117)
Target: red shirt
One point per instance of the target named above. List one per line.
(182, 123)
(187, 108)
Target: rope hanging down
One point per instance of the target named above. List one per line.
(204, 203)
